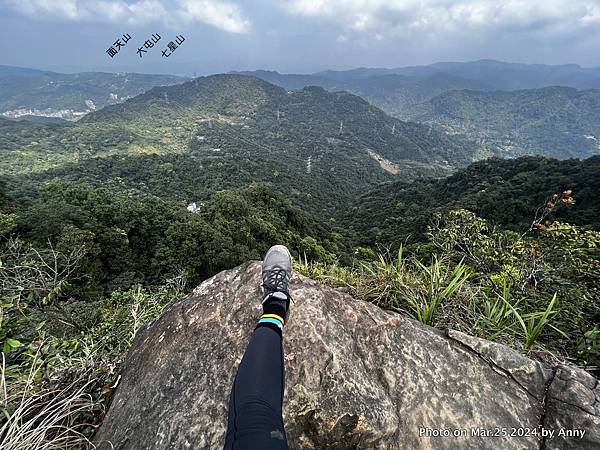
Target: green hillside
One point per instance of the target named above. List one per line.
(240, 101)
(505, 192)
(555, 121)
(106, 222)
(508, 110)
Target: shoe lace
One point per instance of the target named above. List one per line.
(275, 280)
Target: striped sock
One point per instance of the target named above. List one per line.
(273, 317)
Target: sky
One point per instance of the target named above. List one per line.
(294, 36)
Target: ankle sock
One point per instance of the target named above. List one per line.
(274, 312)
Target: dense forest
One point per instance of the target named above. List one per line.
(507, 193)
(107, 221)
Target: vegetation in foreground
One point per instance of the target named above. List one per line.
(84, 269)
(537, 292)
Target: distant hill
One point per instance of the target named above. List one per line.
(555, 121)
(259, 109)
(292, 81)
(506, 192)
(497, 75)
(360, 73)
(487, 75)
(26, 92)
(398, 95)
(509, 109)
(12, 71)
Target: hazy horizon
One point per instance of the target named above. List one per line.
(349, 68)
(295, 36)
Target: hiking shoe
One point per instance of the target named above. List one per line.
(276, 274)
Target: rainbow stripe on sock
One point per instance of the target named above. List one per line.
(275, 319)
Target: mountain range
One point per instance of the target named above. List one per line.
(509, 109)
(496, 75)
(322, 144)
(187, 141)
(334, 155)
(501, 109)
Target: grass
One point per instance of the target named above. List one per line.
(441, 283)
(443, 294)
(53, 391)
(533, 323)
(42, 418)
(496, 314)
(398, 284)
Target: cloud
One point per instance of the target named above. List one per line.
(221, 14)
(225, 16)
(592, 17)
(67, 8)
(391, 18)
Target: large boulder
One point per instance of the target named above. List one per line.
(357, 377)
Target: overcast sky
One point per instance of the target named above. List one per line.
(295, 35)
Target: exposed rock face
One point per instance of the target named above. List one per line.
(357, 377)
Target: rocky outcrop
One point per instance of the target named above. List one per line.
(357, 377)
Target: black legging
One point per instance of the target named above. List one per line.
(255, 418)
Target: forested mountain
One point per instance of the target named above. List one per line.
(399, 95)
(510, 110)
(437, 94)
(249, 103)
(29, 92)
(505, 192)
(396, 94)
(555, 121)
(184, 142)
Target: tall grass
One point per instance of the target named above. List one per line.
(441, 282)
(442, 294)
(35, 418)
(398, 283)
(44, 400)
(532, 324)
(496, 315)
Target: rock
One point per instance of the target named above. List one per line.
(357, 377)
